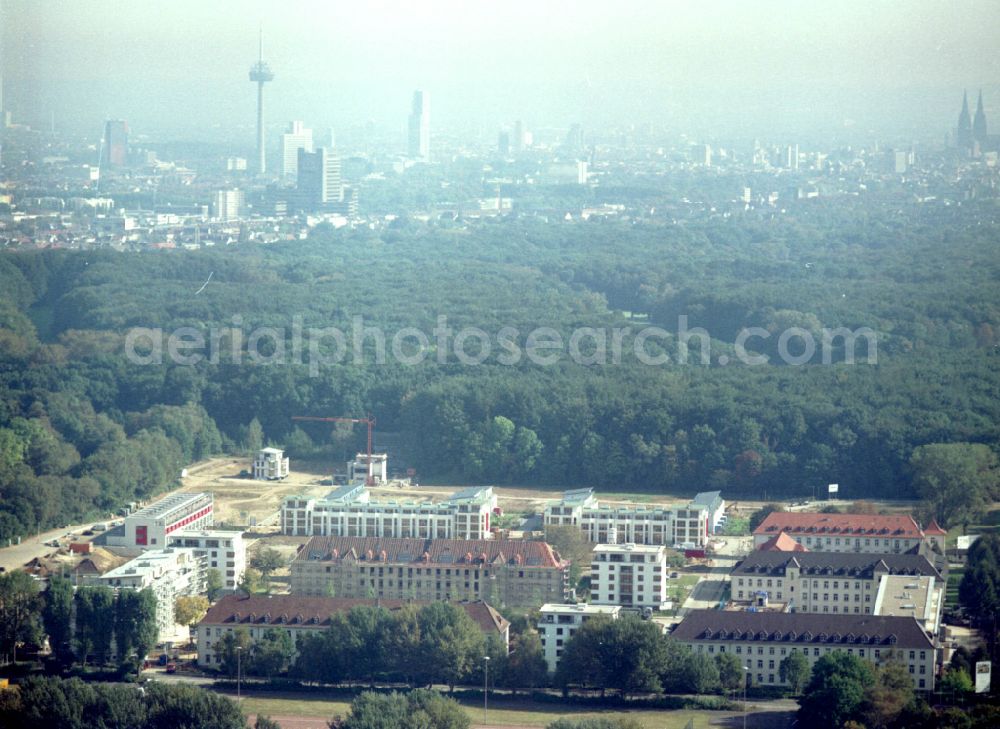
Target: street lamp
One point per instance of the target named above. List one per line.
(486, 688)
(239, 654)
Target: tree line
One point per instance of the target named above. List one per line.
(83, 429)
(89, 627)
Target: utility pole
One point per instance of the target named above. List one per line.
(486, 688)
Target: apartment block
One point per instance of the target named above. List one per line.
(761, 640)
(301, 616)
(822, 582)
(149, 527)
(681, 527)
(270, 464)
(500, 572)
(224, 550)
(170, 573)
(559, 622)
(630, 575)
(349, 511)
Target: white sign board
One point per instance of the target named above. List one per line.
(833, 488)
(982, 677)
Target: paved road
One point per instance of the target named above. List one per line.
(710, 590)
(18, 555)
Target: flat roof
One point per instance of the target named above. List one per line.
(583, 608)
(167, 504)
(905, 595)
(629, 547)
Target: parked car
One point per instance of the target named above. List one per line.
(171, 667)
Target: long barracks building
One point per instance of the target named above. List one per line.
(762, 640)
(823, 582)
(819, 532)
(500, 572)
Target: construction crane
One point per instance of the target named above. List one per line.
(369, 421)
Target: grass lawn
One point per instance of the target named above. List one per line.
(951, 591)
(990, 523)
(503, 712)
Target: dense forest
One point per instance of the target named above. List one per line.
(84, 428)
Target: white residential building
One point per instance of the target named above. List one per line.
(630, 575)
(682, 527)
(373, 470)
(150, 526)
(228, 204)
(224, 551)
(349, 512)
(559, 622)
(270, 464)
(170, 573)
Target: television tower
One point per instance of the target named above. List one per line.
(260, 73)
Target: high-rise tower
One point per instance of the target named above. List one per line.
(963, 134)
(419, 146)
(260, 73)
(979, 122)
(114, 150)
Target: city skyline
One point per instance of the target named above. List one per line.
(722, 68)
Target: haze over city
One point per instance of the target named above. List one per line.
(725, 68)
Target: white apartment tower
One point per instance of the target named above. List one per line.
(297, 137)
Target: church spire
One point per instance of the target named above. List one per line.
(963, 135)
(979, 124)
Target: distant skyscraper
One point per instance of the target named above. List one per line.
(979, 123)
(701, 154)
(319, 182)
(227, 204)
(114, 149)
(419, 146)
(518, 140)
(260, 73)
(963, 134)
(297, 137)
(503, 143)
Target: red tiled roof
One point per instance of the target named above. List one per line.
(523, 553)
(315, 612)
(782, 543)
(897, 526)
(935, 529)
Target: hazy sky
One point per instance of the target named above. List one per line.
(706, 66)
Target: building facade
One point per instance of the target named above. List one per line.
(511, 573)
(874, 533)
(419, 136)
(821, 582)
(349, 512)
(297, 137)
(270, 464)
(114, 152)
(228, 204)
(682, 527)
(318, 181)
(169, 573)
(149, 527)
(762, 640)
(300, 616)
(558, 622)
(630, 575)
(224, 551)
